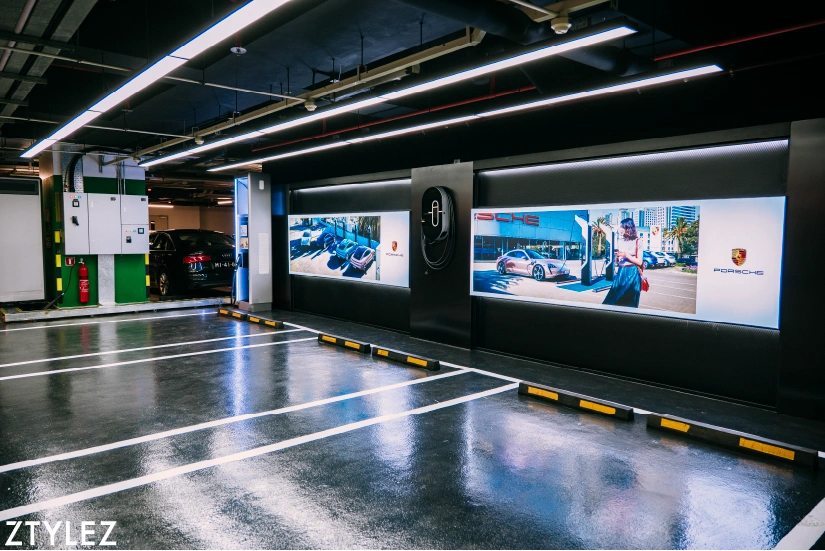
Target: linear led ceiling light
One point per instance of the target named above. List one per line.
(633, 85)
(533, 55)
(223, 29)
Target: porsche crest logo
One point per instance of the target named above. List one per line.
(739, 256)
(394, 246)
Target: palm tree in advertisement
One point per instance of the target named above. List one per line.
(678, 232)
(599, 236)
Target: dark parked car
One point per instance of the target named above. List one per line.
(181, 260)
(324, 239)
(687, 261)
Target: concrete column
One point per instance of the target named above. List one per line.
(106, 279)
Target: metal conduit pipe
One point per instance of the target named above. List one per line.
(513, 24)
(21, 23)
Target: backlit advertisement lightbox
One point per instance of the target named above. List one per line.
(713, 260)
(369, 247)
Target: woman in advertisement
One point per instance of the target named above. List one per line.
(627, 284)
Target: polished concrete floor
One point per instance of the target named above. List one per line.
(190, 429)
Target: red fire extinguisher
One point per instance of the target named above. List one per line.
(83, 273)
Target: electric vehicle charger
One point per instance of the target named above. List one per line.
(437, 224)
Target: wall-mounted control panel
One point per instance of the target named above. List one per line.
(103, 223)
(134, 238)
(76, 223)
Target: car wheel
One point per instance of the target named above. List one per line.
(667, 264)
(538, 273)
(645, 264)
(165, 284)
(502, 269)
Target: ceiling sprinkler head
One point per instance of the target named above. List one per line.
(310, 105)
(238, 50)
(560, 25)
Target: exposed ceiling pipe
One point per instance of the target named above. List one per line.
(404, 116)
(21, 23)
(513, 24)
(361, 80)
(740, 40)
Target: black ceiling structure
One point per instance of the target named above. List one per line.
(84, 49)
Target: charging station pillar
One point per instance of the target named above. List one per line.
(587, 251)
(253, 241)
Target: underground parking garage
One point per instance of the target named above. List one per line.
(341, 274)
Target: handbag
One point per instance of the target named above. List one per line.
(645, 282)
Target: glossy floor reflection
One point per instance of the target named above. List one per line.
(266, 439)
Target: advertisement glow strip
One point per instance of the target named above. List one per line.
(671, 77)
(223, 29)
(514, 61)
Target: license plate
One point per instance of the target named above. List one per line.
(223, 264)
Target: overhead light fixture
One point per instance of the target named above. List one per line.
(223, 29)
(541, 53)
(514, 61)
(281, 156)
(226, 202)
(633, 85)
(162, 206)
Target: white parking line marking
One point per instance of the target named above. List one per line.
(143, 360)
(105, 321)
(482, 372)
(124, 350)
(254, 452)
(805, 534)
(302, 327)
(219, 422)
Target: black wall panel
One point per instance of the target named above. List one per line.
(726, 360)
(372, 197)
(441, 305)
(757, 170)
(713, 358)
(802, 380)
(372, 304)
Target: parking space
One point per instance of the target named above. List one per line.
(198, 430)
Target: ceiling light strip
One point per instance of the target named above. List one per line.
(527, 57)
(223, 29)
(633, 85)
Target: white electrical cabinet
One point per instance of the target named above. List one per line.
(21, 240)
(104, 223)
(134, 209)
(75, 223)
(135, 239)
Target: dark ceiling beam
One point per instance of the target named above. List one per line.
(20, 102)
(22, 78)
(507, 22)
(6, 35)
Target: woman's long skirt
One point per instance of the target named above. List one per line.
(626, 288)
